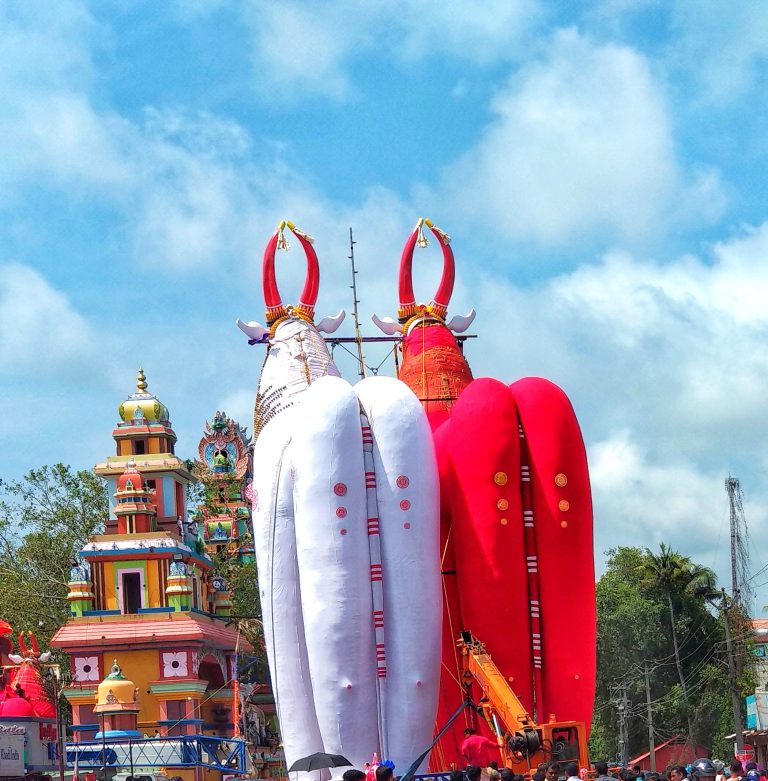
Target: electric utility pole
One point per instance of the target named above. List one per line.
(651, 744)
(622, 706)
(735, 701)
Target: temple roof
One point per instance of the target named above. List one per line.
(142, 631)
(142, 406)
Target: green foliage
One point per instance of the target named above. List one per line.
(242, 582)
(647, 602)
(45, 519)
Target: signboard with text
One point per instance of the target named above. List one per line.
(11, 754)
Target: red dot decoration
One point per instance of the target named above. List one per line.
(405, 505)
(403, 482)
(340, 489)
(406, 525)
(342, 532)
(341, 512)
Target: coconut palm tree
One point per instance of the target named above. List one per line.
(675, 575)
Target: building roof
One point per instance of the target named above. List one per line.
(675, 739)
(147, 631)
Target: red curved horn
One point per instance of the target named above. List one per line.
(441, 299)
(308, 297)
(275, 308)
(23, 650)
(268, 281)
(405, 277)
(33, 641)
(444, 290)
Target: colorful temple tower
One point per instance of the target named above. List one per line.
(226, 470)
(145, 599)
(144, 434)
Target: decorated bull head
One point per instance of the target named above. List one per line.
(296, 353)
(27, 679)
(433, 365)
(29, 655)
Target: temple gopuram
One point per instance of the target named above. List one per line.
(226, 469)
(149, 635)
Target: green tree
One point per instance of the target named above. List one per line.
(634, 629)
(45, 520)
(675, 575)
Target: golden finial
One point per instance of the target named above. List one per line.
(282, 242)
(141, 381)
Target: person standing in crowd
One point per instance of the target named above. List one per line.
(703, 769)
(720, 768)
(735, 770)
(384, 773)
(572, 772)
(472, 772)
(549, 770)
(475, 748)
(601, 768)
(677, 773)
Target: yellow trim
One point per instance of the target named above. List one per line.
(425, 313)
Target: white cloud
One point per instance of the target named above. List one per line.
(40, 332)
(302, 47)
(724, 47)
(581, 143)
(639, 500)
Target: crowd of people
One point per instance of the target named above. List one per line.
(703, 769)
(477, 749)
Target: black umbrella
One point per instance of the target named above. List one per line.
(319, 761)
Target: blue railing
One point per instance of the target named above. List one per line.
(226, 754)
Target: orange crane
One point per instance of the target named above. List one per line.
(523, 744)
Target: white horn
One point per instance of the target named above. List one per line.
(329, 324)
(16, 658)
(460, 324)
(387, 325)
(252, 329)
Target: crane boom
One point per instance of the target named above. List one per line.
(523, 744)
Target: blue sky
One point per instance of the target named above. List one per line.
(601, 167)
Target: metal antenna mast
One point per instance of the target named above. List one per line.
(740, 589)
(355, 317)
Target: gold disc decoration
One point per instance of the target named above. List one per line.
(502, 504)
(561, 480)
(500, 478)
(504, 521)
(564, 505)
